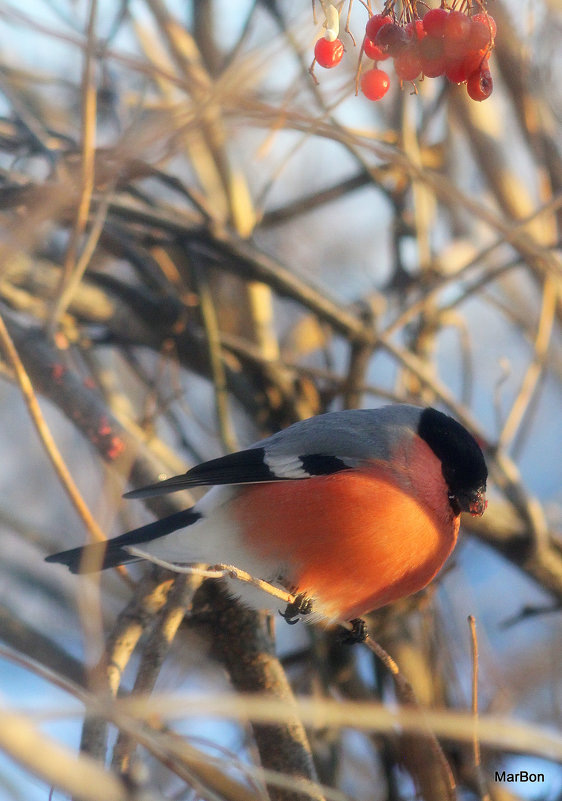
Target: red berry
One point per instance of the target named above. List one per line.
(408, 63)
(488, 21)
(328, 54)
(457, 34)
(392, 38)
(433, 69)
(434, 22)
(432, 57)
(373, 51)
(480, 35)
(454, 49)
(480, 84)
(415, 30)
(458, 71)
(473, 60)
(457, 26)
(374, 84)
(375, 23)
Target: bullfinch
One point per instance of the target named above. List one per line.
(351, 510)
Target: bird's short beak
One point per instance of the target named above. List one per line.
(473, 502)
(478, 505)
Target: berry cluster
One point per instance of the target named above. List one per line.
(443, 42)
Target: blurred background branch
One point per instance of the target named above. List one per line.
(199, 246)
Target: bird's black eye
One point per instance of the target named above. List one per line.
(455, 506)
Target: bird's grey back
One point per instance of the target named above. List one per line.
(357, 433)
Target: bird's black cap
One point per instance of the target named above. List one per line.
(462, 460)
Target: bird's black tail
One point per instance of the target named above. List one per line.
(101, 555)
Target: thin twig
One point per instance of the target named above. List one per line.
(535, 368)
(156, 648)
(208, 313)
(87, 167)
(67, 291)
(150, 597)
(216, 572)
(407, 695)
(57, 764)
(484, 795)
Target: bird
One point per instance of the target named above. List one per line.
(348, 511)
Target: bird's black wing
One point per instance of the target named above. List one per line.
(251, 466)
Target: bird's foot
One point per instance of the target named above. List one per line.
(358, 632)
(301, 606)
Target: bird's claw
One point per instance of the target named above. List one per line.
(357, 634)
(301, 606)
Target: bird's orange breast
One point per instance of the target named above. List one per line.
(353, 541)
